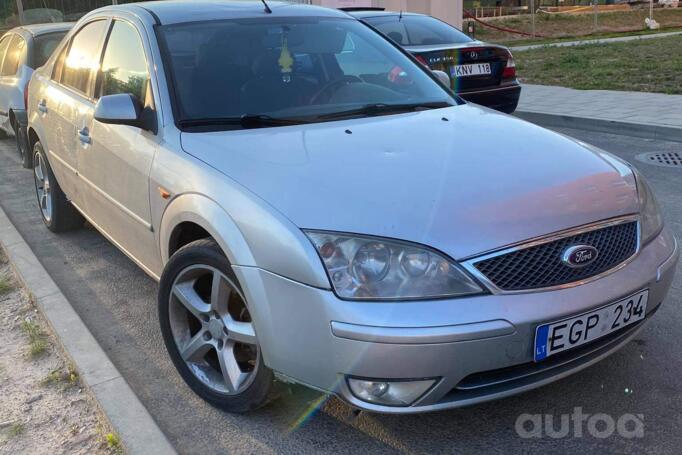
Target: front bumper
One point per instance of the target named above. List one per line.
(480, 347)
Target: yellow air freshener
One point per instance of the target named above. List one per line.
(286, 61)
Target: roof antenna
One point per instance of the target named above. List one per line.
(401, 16)
(267, 8)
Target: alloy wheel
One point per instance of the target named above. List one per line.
(212, 329)
(43, 188)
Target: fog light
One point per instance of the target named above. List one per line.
(391, 393)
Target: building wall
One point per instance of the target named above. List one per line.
(449, 11)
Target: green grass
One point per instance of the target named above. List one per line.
(577, 26)
(652, 65)
(36, 338)
(594, 36)
(16, 429)
(113, 443)
(64, 377)
(5, 282)
(5, 285)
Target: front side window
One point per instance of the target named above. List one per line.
(16, 55)
(410, 30)
(82, 57)
(124, 67)
(302, 68)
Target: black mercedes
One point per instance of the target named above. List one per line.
(480, 72)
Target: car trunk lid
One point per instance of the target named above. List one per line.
(470, 66)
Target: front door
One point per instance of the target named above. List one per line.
(116, 160)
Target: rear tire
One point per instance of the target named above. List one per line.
(22, 148)
(208, 332)
(57, 212)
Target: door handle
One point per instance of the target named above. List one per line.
(42, 106)
(84, 135)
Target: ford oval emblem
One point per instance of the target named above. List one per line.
(579, 256)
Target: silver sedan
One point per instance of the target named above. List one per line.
(319, 208)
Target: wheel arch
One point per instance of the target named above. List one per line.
(33, 138)
(190, 217)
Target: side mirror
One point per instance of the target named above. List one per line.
(443, 77)
(122, 109)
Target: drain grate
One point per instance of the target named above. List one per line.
(667, 159)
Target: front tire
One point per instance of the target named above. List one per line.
(57, 212)
(208, 331)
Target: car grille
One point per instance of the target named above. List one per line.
(541, 266)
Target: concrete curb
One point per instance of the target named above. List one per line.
(133, 423)
(647, 131)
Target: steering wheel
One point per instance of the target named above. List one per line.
(335, 84)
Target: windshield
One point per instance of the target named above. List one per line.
(411, 30)
(311, 69)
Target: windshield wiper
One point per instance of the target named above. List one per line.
(383, 109)
(246, 121)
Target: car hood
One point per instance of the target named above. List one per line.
(475, 182)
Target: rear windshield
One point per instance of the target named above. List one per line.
(288, 68)
(417, 30)
(44, 45)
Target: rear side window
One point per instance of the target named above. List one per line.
(124, 67)
(82, 56)
(16, 54)
(44, 46)
(417, 30)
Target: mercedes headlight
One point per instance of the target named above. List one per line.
(651, 219)
(367, 268)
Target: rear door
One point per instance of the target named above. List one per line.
(68, 99)
(117, 163)
(11, 95)
(4, 98)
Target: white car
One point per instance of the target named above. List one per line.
(22, 50)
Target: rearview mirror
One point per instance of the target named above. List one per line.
(442, 76)
(122, 109)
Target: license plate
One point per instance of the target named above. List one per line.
(560, 336)
(475, 69)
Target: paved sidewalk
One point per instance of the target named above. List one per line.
(652, 115)
(618, 39)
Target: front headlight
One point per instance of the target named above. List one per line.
(652, 221)
(367, 268)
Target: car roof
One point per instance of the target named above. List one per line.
(42, 29)
(179, 11)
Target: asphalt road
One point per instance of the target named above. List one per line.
(117, 302)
